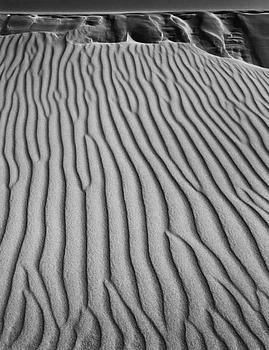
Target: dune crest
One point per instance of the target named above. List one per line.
(238, 35)
(134, 207)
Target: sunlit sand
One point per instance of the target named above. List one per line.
(134, 182)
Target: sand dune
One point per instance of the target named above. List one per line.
(134, 207)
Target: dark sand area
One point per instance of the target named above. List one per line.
(240, 35)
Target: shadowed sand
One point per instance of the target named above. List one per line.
(239, 35)
(134, 207)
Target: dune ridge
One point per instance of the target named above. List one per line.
(134, 205)
(237, 35)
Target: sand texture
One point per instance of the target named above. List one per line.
(134, 206)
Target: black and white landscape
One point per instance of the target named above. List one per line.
(134, 181)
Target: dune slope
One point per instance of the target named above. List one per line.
(134, 207)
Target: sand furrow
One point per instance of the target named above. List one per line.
(158, 222)
(145, 227)
(133, 215)
(134, 207)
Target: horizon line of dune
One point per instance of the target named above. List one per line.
(238, 34)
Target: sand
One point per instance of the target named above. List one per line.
(134, 207)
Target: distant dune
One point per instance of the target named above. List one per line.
(240, 35)
(134, 206)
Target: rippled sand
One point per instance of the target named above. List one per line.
(134, 207)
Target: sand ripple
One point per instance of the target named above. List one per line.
(134, 207)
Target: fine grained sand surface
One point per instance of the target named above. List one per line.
(134, 207)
